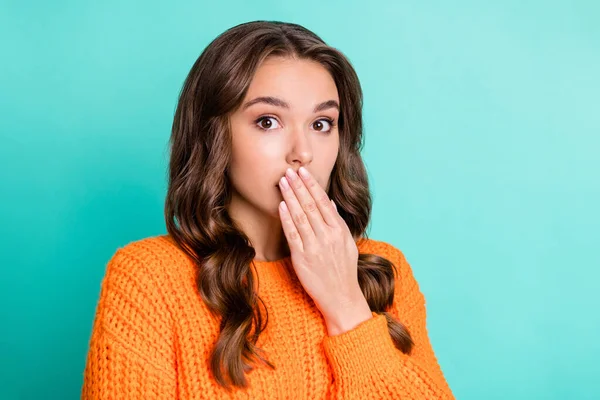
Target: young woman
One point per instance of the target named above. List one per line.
(266, 285)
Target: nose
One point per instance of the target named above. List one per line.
(300, 149)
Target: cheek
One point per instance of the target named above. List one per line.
(253, 148)
(328, 158)
(251, 171)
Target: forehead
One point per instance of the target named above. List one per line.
(302, 83)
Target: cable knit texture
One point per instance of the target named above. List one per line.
(152, 336)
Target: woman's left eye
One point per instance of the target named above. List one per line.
(329, 122)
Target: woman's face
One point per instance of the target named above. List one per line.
(283, 122)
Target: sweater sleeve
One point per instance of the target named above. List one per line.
(367, 365)
(130, 351)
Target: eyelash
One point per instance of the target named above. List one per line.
(329, 121)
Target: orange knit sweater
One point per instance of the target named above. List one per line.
(152, 336)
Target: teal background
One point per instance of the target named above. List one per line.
(482, 125)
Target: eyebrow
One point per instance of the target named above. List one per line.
(274, 101)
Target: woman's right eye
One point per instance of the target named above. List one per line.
(265, 123)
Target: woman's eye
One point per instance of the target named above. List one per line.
(319, 125)
(265, 126)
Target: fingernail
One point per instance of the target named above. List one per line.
(291, 174)
(284, 183)
(283, 206)
(303, 172)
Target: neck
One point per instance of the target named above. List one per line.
(263, 230)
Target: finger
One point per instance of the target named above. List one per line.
(337, 215)
(298, 216)
(307, 202)
(327, 209)
(289, 229)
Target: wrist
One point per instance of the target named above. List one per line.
(346, 318)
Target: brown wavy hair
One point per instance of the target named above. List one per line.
(199, 188)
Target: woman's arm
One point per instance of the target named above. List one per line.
(367, 365)
(131, 348)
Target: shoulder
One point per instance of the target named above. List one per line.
(383, 249)
(379, 247)
(147, 266)
(153, 250)
(392, 253)
(154, 256)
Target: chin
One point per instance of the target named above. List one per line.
(275, 207)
